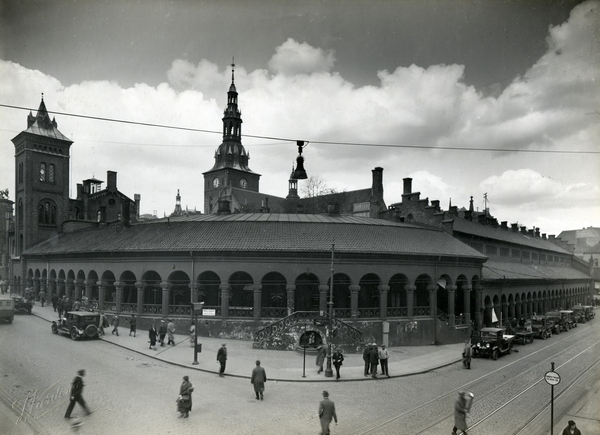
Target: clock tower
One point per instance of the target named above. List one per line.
(230, 170)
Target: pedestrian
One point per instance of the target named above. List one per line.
(258, 379)
(467, 353)
(162, 332)
(42, 295)
(77, 305)
(152, 334)
(321, 354)
(192, 334)
(115, 323)
(461, 407)
(76, 397)
(54, 301)
(366, 358)
(132, 325)
(102, 324)
(184, 401)
(571, 429)
(60, 306)
(337, 358)
(222, 358)
(384, 355)
(374, 360)
(171, 332)
(68, 305)
(326, 413)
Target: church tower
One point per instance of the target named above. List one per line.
(42, 155)
(230, 170)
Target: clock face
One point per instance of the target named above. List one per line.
(216, 182)
(243, 183)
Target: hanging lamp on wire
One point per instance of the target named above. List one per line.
(300, 172)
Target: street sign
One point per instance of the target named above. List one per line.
(198, 306)
(552, 378)
(209, 312)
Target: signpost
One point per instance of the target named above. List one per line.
(197, 309)
(552, 378)
(309, 339)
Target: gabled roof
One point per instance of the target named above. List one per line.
(261, 233)
(505, 235)
(41, 125)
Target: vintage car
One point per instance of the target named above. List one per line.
(541, 327)
(583, 313)
(559, 322)
(7, 308)
(22, 305)
(78, 324)
(568, 318)
(521, 329)
(491, 342)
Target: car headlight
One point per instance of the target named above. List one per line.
(487, 345)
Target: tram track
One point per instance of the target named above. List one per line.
(487, 390)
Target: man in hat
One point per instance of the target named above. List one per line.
(374, 360)
(76, 391)
(326, 413)
(460, 413)
(162, 332)
(222, 358)
(571, 429)
(258, 379)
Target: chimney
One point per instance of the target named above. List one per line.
(524, 230)
(79, 191)
(377, 187)
(531, 233)
(407, 185)
(137, 197)
(436, 204)
(537, 232)
(514, 227)
(481, 218)
(544, 236)
(111, 177)
(223, 206)
(552, 237)
(504, 225)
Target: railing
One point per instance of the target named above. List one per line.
(397, 312)
(421, 311)
(460, 320)
(442, 316)
(297, 317)
(344, 313)
(369, 312)
(241, 311)
(273, 311)
(110, 306)
(152, 309)
(180, 310)
(129, 308)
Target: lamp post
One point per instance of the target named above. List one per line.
(329, 370)
(197, 308)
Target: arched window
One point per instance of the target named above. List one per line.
(47, 213)
(41, 214)
(99, 216)
(53, 215)
(42, 171)
(51, 173)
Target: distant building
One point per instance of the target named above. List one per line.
(579, 241)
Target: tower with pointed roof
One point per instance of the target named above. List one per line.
(42, 163)
(230, 170)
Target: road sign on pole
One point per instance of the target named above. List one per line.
(552, 378)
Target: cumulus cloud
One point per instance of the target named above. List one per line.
(292, 58)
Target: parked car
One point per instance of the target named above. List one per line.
(491, 342)
(579, 314)
(541, 327)
(568, 318)
(7, 308)
(22, 305)
(78, 324)
(521, 329)
(559, 322)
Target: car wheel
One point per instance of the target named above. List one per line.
(495, 354)
(54, 328)
(91, 331)
(74, 335)
(544, 335)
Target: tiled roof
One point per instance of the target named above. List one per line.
(505, 235)
(513, 270)
(261, 232)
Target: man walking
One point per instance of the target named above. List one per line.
(76, 397)
(42, 295)
(115, 323)
(321, 354)
(222, 358)
(384, 354)
(337, 358)
(171, 332)
(258, 379)
(326, 413)
(162, 331)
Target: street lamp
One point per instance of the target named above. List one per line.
(300, 172)
(329, 370)
(197, 309)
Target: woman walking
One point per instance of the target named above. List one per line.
(184, 401)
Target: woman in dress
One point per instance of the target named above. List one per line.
(184, 402)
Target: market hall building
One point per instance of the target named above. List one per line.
(268, 273)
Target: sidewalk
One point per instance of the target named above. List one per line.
(280, 365)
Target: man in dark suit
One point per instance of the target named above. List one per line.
(76, 391)
(222, 358)
(326, 413)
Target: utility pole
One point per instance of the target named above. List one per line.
(329, 370)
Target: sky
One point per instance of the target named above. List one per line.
(466, 97)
